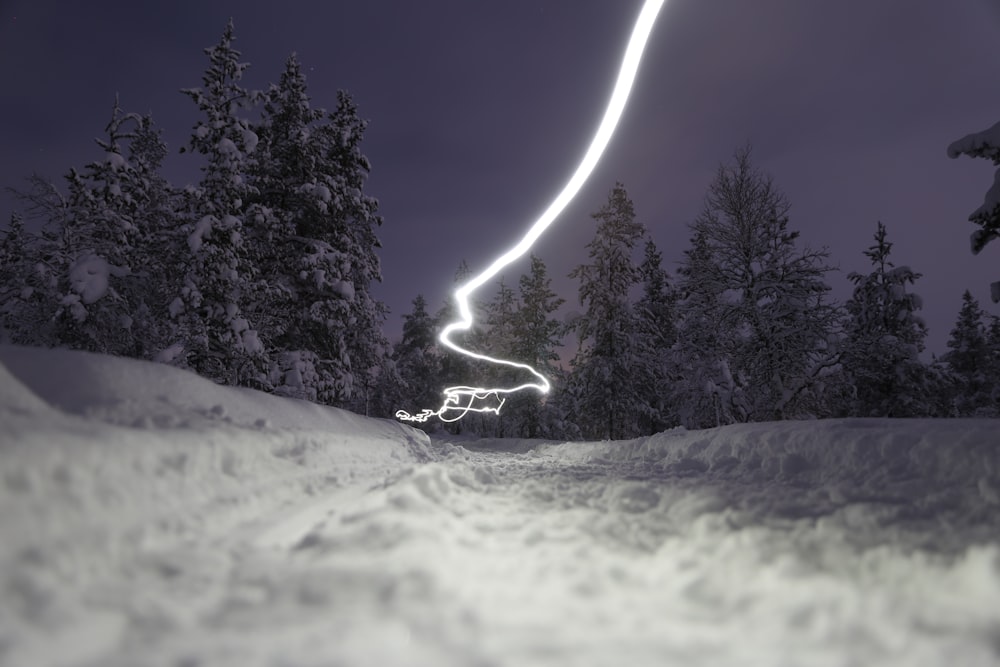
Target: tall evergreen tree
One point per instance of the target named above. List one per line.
(765, 299)
(703, 392)
(220, 279)
(535, 336)
(604, 370)
(15, 274)
(885, 337)
(655, 312)
(91, 279)
(970, 359)
(43, 265)
(316, 246)
(418, 361)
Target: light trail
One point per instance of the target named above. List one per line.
(461, 399)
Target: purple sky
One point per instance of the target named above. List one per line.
(479, 111)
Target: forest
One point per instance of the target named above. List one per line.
(261, 276)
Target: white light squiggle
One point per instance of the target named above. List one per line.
(462, 399)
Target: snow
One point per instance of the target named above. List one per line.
(250, 140)
(227, 147)
(150, 517)
(115, 160)
(344, 288)
(202, 230)
(985, 144)
(88, 277)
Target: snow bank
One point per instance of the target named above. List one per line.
(103, 458)
(918, 471)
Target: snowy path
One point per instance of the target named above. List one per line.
(216, 527)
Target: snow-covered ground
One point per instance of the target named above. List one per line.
(149, 517)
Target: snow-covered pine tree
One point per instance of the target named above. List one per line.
(317, 247)
(357, 214)
(94, 283)
(160, 248)
(766, 298)
(885, 336)
(605, 380)
(535, 336)
(703, 391)
(119, 207)
(657, 332)
(970, 360)
(984, 144)
(15, 273)
(418, 362)
(220, 284)
(499, 342)
(43, 260)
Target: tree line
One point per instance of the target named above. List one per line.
(261, 274)
(744, 331)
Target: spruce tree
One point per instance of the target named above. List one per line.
(418, 362)
(885, 337)
(15, 282)
(703, 393)
(92, 278)
(120, 208)
(500, 343)
(535, 337)
(764, 300)
(970, 359)
(655, 312)
(316, 246)
(604, 379)
(220, 282)
(43, 264)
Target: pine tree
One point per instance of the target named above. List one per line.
(703, 393)
(159, 249)
(15, 276)
(885, 337)
(500, 343)
(985, 144)
(220, 281)
(44, 260)
(92, 282)
(604, 376)
(970, 359)
(418, 361)
(657, 330)
(113, 298)
(316, 246)
(357, 212)
(535, 336)
(758, 300)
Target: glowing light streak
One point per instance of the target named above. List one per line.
(462, 399)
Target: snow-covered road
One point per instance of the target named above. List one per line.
(150, 518)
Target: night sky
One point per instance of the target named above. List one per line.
(479, 111)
